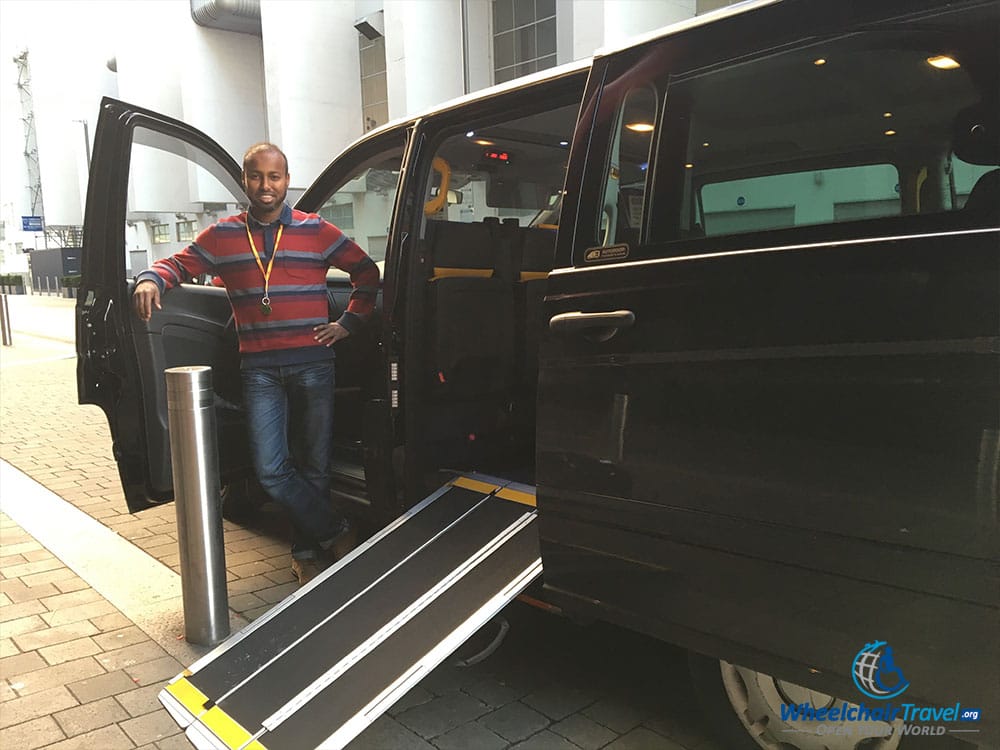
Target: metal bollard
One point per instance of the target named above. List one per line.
(194, 455)
(5, 321)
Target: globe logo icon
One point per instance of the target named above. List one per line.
(875, 672)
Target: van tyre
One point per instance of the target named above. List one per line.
(743, 707)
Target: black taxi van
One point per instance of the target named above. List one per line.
(728, 296)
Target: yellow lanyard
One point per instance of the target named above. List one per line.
(265, 301)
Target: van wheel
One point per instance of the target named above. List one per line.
(744, 708)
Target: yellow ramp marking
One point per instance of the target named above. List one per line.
(475, 485)
(525, 498)
(188, 696)
(225, 728)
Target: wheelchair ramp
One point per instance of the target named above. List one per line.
(320, 667)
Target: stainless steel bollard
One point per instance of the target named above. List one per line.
(194, 454)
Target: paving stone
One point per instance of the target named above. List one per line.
(72, 599)
(19, 611)
(111, 621)
(442, 714)
(21, 663)
(283, 574)
(61, 674)
(7, 693)
(253, 614)
(177, 742)
(50, 637)
(101, 686)
(415, 696)
(90, 716)
(19, 548)
(28, 624)
(130, 656)
(586, 733)
(493, 693)
(252, 569)
(19, 592)
(32, 734)
(249, 585)
(30, 707)
(141, 701)
(275, 594)
(106, 738)
(150, 728)
(614, 714)
(75, 614)
(39, 555)
(469, 736)
(558, 701)
(30, 568)
(49, 576)
(545, 740)
(644, 739)
(120, 638)
(8, 648)
(69, 650)
(157, 670)
(71, 584)
(385, 733)
(244, 602)
(515, 721)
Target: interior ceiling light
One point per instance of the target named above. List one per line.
(483, 142)
(890, 132)
(819, 61)
(640, 127)
(470, 134)
(943, 62)
(887, 114)
(705, 144)
(689, 166)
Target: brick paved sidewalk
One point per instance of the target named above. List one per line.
(77, 673)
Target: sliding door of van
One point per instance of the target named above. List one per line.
(768, 398)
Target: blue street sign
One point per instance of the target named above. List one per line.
(31, 223)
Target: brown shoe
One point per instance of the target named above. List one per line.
(344, 543)
(306, 570)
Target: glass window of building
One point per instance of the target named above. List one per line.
(374, 92)
(186, 231)
(161, 234)
(524, 37)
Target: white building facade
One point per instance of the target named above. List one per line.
(309, 75)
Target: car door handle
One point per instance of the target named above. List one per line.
(600, 325)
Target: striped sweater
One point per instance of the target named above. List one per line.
(297, 288)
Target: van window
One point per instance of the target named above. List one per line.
(625, 186)
(362, 207)
(512, 169)
(885, 125)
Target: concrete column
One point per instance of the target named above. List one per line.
(626, 18)
(423, 54)
(313, 82)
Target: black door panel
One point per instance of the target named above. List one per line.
(822, 419)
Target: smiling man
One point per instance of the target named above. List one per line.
(273, 261)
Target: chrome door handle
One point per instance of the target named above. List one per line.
(599, 325)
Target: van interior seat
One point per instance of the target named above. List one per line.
(976, 140)
(470, 309)
(537, 249)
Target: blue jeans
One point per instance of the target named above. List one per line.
(290, 425)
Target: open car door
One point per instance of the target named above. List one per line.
(154, 182)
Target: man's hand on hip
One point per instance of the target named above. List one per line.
(145, 297)
(329, 334)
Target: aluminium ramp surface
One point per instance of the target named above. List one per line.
(320, 667)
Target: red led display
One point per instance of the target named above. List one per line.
(495, 155)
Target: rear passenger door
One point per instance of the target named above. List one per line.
(768, 394)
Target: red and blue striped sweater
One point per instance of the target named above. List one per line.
(297, 289)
